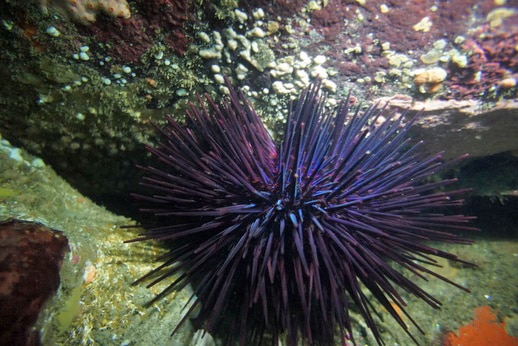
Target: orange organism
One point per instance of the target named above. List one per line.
(485, 329)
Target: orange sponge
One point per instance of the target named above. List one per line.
(482, 331)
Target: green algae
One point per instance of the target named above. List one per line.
(6, 192)
(70, 310)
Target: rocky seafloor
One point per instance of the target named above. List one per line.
(78, 96)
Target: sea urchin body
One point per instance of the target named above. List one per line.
(284, 240)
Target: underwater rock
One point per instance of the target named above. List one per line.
(30, 259)
(459, 127)
(96, 302)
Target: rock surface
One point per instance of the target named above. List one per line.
(95, 303)
(30, 259)
(460, 127)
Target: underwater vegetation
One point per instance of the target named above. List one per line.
(285, 240)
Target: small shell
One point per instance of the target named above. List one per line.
(433, 75)
(507, 83)
(89, 274)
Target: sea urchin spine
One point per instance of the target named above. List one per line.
(283, 240)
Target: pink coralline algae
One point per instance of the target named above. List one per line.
(492, 59)
(85, 11)
(128, 39)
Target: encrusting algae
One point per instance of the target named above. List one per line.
(485, 329)
(85, 11)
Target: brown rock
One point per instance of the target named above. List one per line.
(460, 127)
(30, 258)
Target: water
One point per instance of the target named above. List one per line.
(82, 84)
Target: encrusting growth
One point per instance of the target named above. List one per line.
(86, 11)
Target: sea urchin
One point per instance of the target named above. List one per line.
(284, 241)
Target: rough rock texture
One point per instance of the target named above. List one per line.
(460, 127)
(30, 258)
(96, 303)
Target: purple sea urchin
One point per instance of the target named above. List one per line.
(282, 240)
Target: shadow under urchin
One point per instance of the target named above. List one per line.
(281, 240)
